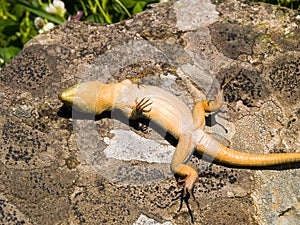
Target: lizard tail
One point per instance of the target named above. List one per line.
(209, 146)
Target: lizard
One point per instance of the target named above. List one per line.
(166, 110)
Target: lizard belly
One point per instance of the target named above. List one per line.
(165, 109)
(167, 115)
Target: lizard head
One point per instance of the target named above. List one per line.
(84, 97)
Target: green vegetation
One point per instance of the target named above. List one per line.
(21, 20)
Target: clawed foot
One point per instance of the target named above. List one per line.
(184, 196)
(140, 108)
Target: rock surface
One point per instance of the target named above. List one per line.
(55, 166)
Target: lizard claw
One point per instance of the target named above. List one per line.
(184, 197)
(140, 108)
(186, 192)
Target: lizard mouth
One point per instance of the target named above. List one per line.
(60, 96)
(67, 100)
(68, 96)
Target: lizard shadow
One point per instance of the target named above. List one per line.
(140, 124)
(210, 120)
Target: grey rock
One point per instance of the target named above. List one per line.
(53, 163)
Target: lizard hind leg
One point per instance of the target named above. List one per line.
(187, 177)
(185, 174)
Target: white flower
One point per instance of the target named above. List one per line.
(59, 4)
(46, 27)
(51, 9)
(39, 22)
(57, 7)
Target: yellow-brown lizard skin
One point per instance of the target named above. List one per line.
(169, 112)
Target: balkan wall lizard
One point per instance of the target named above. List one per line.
(169, 112)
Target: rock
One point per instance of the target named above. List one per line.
(55, 168)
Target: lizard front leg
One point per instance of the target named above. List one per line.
(140, 107)
(205, 106)
(137, 112)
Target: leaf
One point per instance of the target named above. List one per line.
(41, 13)
(139, 7)
(128, 3)
(7, 23)
(10, 30)
(8, 53)
(18, 10)
(123, 7)
(96, 18)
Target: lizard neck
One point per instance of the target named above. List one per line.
(108, 95)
